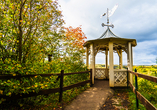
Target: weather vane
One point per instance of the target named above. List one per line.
(109, 13)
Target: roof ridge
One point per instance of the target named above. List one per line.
(108, 34)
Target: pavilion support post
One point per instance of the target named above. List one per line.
(120, 59)
(106, 64)
(132, 57)
(129, 61)
(92, 61)
(111, 70)
(87, 57)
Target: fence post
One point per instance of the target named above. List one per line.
(127, 77)
(136, 89)
(61, 86)
(91, 78)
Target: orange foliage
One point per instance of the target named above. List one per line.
(76, 36)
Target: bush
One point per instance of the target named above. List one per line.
(37, 83)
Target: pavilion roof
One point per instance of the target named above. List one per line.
(108, 34)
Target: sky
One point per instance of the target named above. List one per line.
(134, 19)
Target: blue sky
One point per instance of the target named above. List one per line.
(132, 19)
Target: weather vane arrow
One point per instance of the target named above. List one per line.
(109, 13)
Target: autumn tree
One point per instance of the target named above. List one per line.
(26, 27)
(74, 40)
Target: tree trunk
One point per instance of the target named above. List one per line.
(49, 57)
(20, 34)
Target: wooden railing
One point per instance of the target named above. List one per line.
(47, 91)
(101, 73)
(143, 100)
(120, 78)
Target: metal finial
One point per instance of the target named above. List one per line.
(108, 25)
(109, 13)
(107, 17)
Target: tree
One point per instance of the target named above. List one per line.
(74, 40)
(25, 27)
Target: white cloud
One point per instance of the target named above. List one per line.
(132, 19)
(145, 53)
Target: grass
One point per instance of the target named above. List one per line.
(147, 88)
(132, 99)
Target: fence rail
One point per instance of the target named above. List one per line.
(9, 76)
(46, 91)
(144, 101)
(139, 96)
(150, 78)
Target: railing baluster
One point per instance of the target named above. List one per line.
(136, 89)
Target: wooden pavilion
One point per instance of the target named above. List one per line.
(109, 43)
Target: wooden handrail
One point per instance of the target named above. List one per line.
(9, 76)
(76, 73)
(150, 78)
(26, 76)
(144, 101)
(46, 91)
(42, 92)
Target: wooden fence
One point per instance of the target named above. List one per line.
(46, 91)
(143, 100)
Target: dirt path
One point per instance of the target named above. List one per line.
(101, 97)
(118, 101)
(93, 98)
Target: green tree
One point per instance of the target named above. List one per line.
(26, 28)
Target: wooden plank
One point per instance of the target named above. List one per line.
(26, 76)
(76, 73)
(123, 70)
(61, 86)
(76, 85)
(150, 78)
(132, 87)
(19, 96)
(42, 75)
(143, 100)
